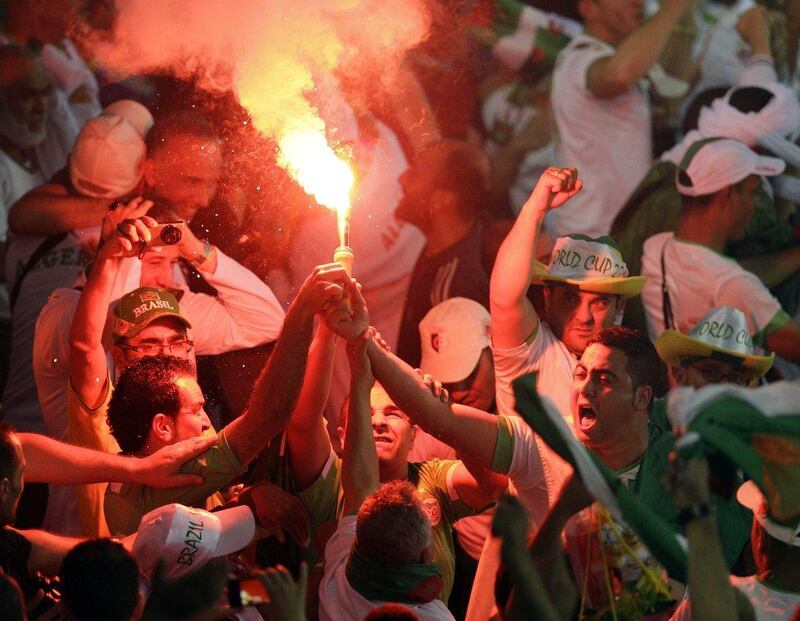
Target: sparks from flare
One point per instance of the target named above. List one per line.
(323, 174)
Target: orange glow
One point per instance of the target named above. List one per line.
(323, 174)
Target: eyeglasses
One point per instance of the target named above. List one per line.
(153, 349)
(713, 375)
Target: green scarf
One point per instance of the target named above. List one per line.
(409, 583)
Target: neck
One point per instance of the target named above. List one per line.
(599, 32)
(442, 233)
(703, 227)
(393, 471)
(622, 455)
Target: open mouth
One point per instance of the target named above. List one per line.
(382, 440)
(586, 417)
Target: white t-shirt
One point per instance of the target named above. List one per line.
(768, 604)
(14, 182)
(59, 267)
(547, 355)
(699, 279)
(607, 140)
(338, 601)
(543, 353)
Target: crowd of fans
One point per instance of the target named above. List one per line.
(561, 381)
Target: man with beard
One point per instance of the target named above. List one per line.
(444, 191)
(24, 92)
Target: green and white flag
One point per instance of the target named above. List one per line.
(544, 418)
(521, 33)
(755, 429)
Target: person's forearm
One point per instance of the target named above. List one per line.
(88, 368)
(641, 49)
(276, 391)
(360, 475)
(245, 311)
(92, 309)
(513, 268)
(471, 432)
(529, 598)
(50, 461)
(774, 268)
(712, 595)
(785, 342)
(307, 437)
(48, 550)
(547, 553)
(43, 213)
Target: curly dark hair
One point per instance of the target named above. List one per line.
(145, 389)
(392, 526)
(644, 365)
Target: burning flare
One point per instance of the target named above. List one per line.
(323, 174)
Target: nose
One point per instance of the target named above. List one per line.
(206, 421)
(378, 421)
(584, 313)
(585, 386)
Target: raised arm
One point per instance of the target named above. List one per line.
(277, 389)
(712, 596)
(360, 475)
(88, 372)
(513, 316)
(307, 437)
(471, 432)
(615, 74)
(49, 209)
(530, 599)
(50, 461)
(547, 551)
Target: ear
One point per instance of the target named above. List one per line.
(163, 428)
(681, 375)
(413, 434)
(642, 398)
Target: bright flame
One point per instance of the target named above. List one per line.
(323, 174)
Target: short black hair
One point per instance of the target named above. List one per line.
(145, 389)
(187, 122)
(9, 459)
(644, 365)
(100, 581)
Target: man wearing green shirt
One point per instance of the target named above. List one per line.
(158, 402)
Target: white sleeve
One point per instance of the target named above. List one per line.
(745, 291)
(509, 364)
(526, 464)
(245, 313)
(337, 550)
(577, 61)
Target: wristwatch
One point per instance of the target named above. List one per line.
(694, 512)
